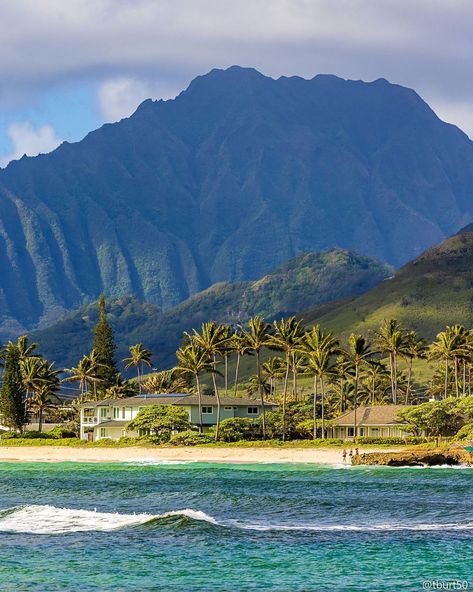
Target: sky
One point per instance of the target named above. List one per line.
(68, 66)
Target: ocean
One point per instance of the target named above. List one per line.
(212, 527)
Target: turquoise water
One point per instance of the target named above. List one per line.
(207, 527)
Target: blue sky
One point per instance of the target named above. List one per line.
(66, 67)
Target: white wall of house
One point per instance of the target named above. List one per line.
(91, 417)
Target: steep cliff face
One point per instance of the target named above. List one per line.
(309, 279)
(236, 175)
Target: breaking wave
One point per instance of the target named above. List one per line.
(35, 519)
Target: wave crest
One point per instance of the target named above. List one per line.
(35, 519)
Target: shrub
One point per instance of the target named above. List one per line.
(105, 442)
(33, 435)
(9, 435)
(190, 438)
(61, 432)
(465, 433)
(235, 429)
(379, 440)
(132, 441)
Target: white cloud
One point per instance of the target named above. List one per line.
(424, 44)
(119, 97)
(25, 139)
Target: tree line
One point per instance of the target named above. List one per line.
(363, 370)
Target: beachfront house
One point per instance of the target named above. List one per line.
(108, 418)
(375, 421)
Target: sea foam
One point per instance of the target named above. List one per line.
(35, 519)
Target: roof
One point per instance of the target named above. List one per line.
(144, 400)
(371, 415)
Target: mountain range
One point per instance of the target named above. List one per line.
(305, 280)
(236, 175)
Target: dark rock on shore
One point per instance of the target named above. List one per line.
(415, 458)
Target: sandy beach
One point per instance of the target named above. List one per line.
(224, 455)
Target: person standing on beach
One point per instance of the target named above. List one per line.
(344, 455)
(356, 452)
(350, 454)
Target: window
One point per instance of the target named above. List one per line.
(116, 412)
(252, 410)
(123, 412)
(362, 432)
(227, 408)
(103, 412)
(207, 410)
(351, 432)
(103, 432)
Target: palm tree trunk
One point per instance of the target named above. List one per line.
(446, 380)
(199, 395)
(395, 377)
(457, 392)
(139, 378)
(294, 377)
(314, 409)
(409, 377)
(356, 404)
(217, 395)
(226, 374)
(373, 391)
(342, 395)
(258, 372)
(237, 369)
(391, 367)
(40, 420)
(464, 379)
(322, 388)
(284, 397)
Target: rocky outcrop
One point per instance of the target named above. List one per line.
(415, 458)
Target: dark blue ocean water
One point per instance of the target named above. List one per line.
(207, 527)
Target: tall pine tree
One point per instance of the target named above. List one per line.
(13, 394)
(104, 347)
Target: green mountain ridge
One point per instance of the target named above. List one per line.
(434, 290)
(309, 279)
(236, 175)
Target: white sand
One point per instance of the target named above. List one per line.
(225, 455)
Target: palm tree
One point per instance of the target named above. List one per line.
(287, 337)
(139, 357)
(273, 371)
(239, 345)
(213, 339)
(193, 360)
(358, 353)
(32, 374)
(450, 346)
(166, 381)
(375, 374)
(25, 348)
(414, 348)
(344, 371)
(258, 336)
(391, 339)
(320, 348)
(85, 373)
(44, 391)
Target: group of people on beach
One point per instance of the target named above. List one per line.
(350, 454)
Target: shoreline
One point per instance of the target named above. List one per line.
(330, 456)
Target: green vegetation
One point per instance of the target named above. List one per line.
(432, 291)
(13, 393)
(309, 278)
(159, 422)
